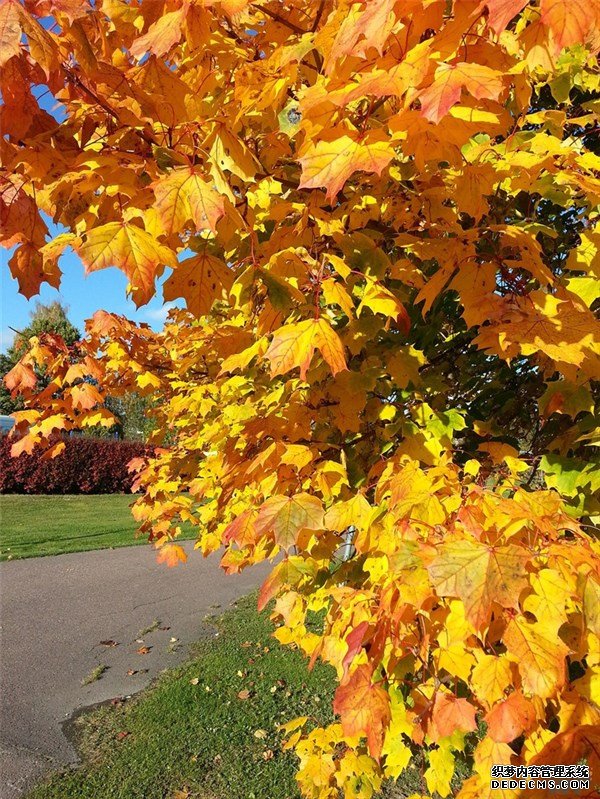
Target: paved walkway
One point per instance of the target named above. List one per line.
(54, 614)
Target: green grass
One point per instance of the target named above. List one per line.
(190, 735)
(51, 525)
(95, 674)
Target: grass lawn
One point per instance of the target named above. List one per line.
(50, 525)
(206, 730)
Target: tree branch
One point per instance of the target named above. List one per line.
(281, 20)
(315, 24)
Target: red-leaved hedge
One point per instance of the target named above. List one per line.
(86, 466)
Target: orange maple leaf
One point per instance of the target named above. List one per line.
(450, 79)
(502, 11)
(571, 21)
(162, 35)
(20, 378)
(10, 30)
(364, 707)
(450, 715)
(85, 396)
(171, 554)
(572, 746)
(294, 346)
(510, 717)
(200, 280)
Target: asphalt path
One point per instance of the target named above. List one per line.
(55, 612)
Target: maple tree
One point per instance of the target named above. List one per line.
(382, 218)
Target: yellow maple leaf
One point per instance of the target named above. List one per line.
(490, 677)
(294, 346)
(539, 654)
(397, 752)
(335, 294)
(480, 574)
(330, 162)
(548, 603)
(380, 300)
(184, 196)
(354, 512)
(49, 424)
(200, 280)
(131, 248)
(440, 771)
(285, 517)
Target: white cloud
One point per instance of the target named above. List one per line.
(157, 314)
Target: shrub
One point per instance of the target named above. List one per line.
(86, 466)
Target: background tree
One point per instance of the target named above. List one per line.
(133, 414)
(50, 318)
(383, 219)
(8, 404)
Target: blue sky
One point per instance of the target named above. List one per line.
(82, 295)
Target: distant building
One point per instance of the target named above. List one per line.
(6, 424)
